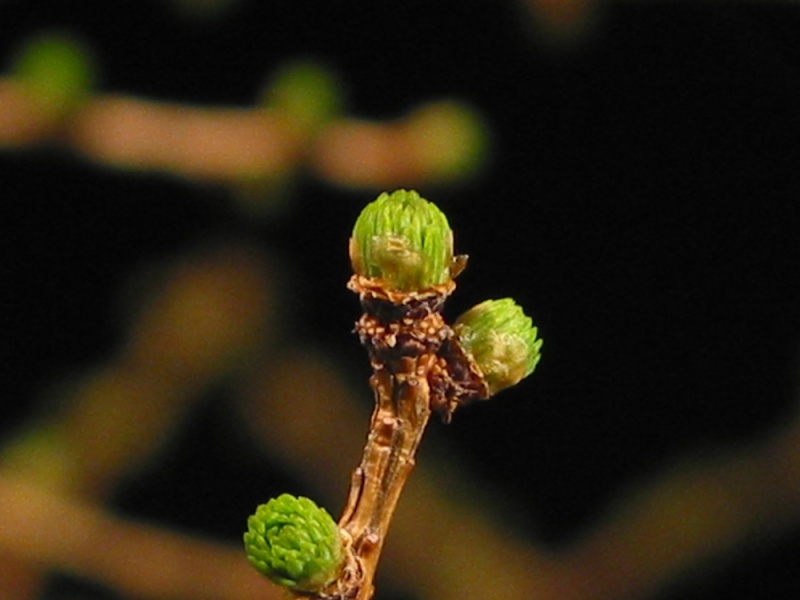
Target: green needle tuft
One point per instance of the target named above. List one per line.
(501, 340)
(404, 240)
(295, 543)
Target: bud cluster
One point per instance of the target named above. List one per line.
(402, 244)
(401, 251)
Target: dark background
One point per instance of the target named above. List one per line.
(641, 203)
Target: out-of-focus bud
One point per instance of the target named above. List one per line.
(57, 70)
(306, 91)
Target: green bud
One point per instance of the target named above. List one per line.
(57, 69)
(307, 91)
(453, 140)
(501, 340)
(295, 543)
(404, 240)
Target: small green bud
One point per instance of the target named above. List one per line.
(501, 340)
(306, 90)
(404, 240)
(453, 140)
(295, 543)
(57, 69)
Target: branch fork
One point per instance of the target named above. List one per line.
(402, 254)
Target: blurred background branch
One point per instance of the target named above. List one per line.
(176, 334)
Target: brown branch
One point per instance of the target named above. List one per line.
(401, 413)
(438, 142)
(403, 334)
(47, 529)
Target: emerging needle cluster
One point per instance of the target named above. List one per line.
(403, 262)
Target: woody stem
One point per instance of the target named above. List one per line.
(402, 410)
